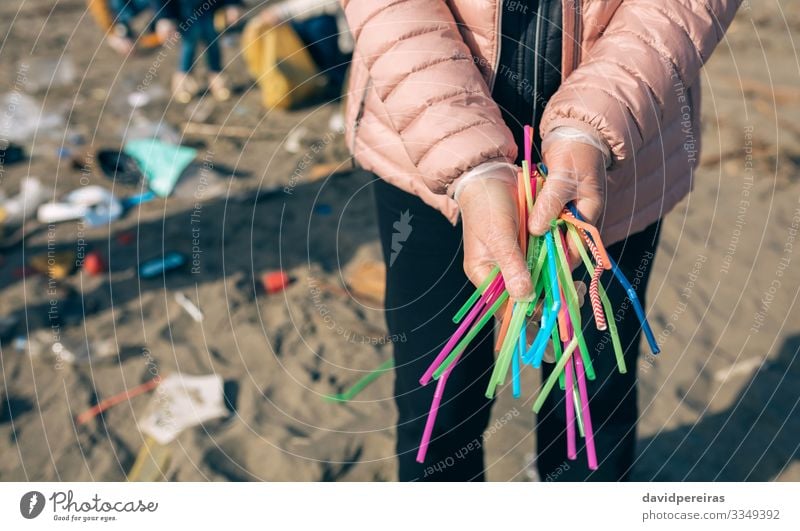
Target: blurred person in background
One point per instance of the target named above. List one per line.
(116, 17)
(193, 21)
(321, 26)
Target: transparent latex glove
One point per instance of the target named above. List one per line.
(491, 231)
(576, 171)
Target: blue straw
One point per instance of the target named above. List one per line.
(515, 384)
(620, 276)
(536, 352)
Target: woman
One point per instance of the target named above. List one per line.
(438, 97)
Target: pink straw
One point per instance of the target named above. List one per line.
(462, 328)
(435, 403)
(587, 420)
(572, 453)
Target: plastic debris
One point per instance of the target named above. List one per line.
(275, 281)
(162, 163)
(22, 206)
(80, 351)
(119, 167)
(157, 266)
(189, 306)
(94, 263)
(24, 117)
(182, 402)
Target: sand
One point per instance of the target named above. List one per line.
(719, 403)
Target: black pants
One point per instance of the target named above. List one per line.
(425, 287)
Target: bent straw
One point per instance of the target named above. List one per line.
(591, 454)
(572, 301)
(111, 401)
(453, 339)
(361, 384)
(551, 380)
(637, 306)
(484, 318)
(475, 295)
(488, 295)
(431, 420)
(594, 287)
(609, 311)
(572, 452)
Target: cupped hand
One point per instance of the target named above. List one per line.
(576, 172)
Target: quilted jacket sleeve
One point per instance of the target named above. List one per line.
(433, 94)
(634, 75)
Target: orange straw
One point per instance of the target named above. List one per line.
(86, 416)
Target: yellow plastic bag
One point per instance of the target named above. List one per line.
(281, 65)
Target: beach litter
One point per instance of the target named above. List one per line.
(152, 462)
(94, 264)
(183, 402)
(190, 307)
(15, 210)
(275, 281)
(162, 163)
(82, 351)
(112, 401)
(120, 167)
(24, 118)
(361, 383)
(560, 320)
(95, 205)
(157, 266)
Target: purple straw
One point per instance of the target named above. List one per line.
(572, 452)
(463, 327)
(437, 400)
(587, 420)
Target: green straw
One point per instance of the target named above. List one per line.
(558, 369)
(477, 293)
(503, 362)
(470, 335)
(572, 301)
(361, 384)
(612, 324)
(576, 402)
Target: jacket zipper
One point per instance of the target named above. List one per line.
(498, 29)
(573, 40)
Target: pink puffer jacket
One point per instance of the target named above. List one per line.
(420, 112)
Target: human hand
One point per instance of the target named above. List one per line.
(491, 230)
(576, 171)
(166, 30)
